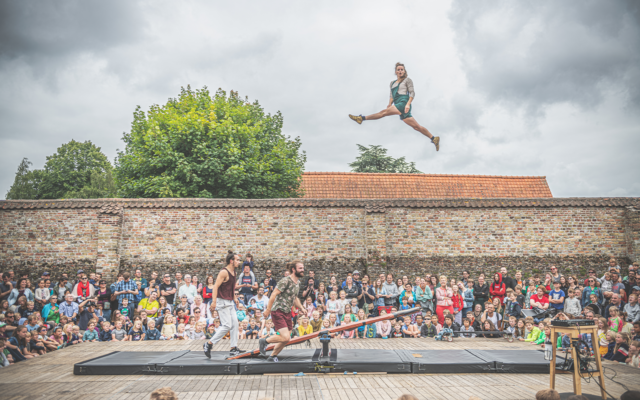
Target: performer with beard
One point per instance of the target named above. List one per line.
(282, 299)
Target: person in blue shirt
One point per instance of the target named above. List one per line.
(556, 297)
(152, 333)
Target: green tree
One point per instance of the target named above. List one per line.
(375, 159)
(26, 183)
(69, 169)
(101, 185)
(202, 146)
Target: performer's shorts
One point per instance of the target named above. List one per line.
(281, 320)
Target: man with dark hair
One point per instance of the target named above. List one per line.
(126, 288)
(465, 277)
(316, 282)
(283, 298)
(248, 260)
(555, 275)
(224, 299)
(508, 281)
(5, 287)
(168, 289)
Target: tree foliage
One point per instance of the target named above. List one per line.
(375, 159)
(101, 185)
(26, 183)
(69, 169)
(202, 146)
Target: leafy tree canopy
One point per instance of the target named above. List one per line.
(101, 185)
(202, 146)
(26, 183)
(70, 168)
(375, 159)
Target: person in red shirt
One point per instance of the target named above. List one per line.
(497, 288)
(540, 299)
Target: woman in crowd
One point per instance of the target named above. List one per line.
(197, 284)
(207, 290)
(333, 285)
(351, 290)
(380, 294)
(83, 289)
(591, 289)
(103, 294)
(621, 348)
(21, 289)
(322, 291)
(443, 294)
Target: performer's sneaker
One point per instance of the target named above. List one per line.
(272, 359)
(235, 352)
(207, 348)
(357, 118)
(263, 346)
(436, 140)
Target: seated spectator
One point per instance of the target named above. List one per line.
(428, 329)
(4, 360)
(17, 345)
(105, 333)
(30, 309)
(198, 331)
(268, 330)
(620, 349)
(136, 333)
(181, 334)
(397, 330)
(304, 328)
(449, 324)
(169, 328)
(466, 330)
(90, 335)
(126, 309)
(119, 334)
(36, 346)
(74, 338)
(58, 337)
(488, 326)
(383, 328)
(547, 394)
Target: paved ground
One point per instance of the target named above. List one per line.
(51, 377)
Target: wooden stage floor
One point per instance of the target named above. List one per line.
(51, 377)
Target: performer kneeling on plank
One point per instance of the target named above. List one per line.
(224, 300)
(283, 298)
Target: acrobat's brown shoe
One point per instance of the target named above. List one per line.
(357, 118)
(436, 141)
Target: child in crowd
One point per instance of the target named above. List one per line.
(428, 328)
(309, 307)
(510, 330)
(333, 305)
(75, 335)
(531, 331)
(621, 348)
(347, 334)
(316, 320)
(543, 333)
(383, 328)
(58, 337)
(434, 322)
(211, 331)
(354, 306)
(450, 324)
(36, 345)
(181, 334)
(198, 332)
(614, 319)
(32, 325)
(404, 305)
(105, 334)
(169, 330)
(610, 337)
(343, 302)
(572, 303)
(119, 334)
(304, 328)
(151, 333)
(634, 350)
(514, 308)
(253, 329)
(241, 313)
(126, 310)
(409, 329)
(136, 333)
(466, 330)
(90, 335)
(520, 330)
(397, 329)
(268, 330)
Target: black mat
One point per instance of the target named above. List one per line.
(515, 361)
(447, 362)
(308, 360)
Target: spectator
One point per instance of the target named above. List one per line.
(137, 278)
(572, 304)
(556, 297)
(423, 296)
(207, 290)
(555, 275)
(316, 282)
(443, 294)
(126, 289)
(480, 292)
(615, 302)
(51, 311)
(21, 289)
(168, 289)
(509, 282)
(620, 349)
(83, 289)
(42, 294)
(547, 394)
(632, 309)
(490, 314)
(151, 305)
(69, 308)
(247, 283)
(164, 393)
(498, 288)
(86, 312)
(392, 291)
(5, 287)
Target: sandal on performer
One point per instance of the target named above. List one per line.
(357, 118)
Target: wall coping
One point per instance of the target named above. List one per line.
(116, 205)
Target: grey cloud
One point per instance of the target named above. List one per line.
(531, 54)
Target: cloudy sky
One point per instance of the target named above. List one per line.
(512, 87)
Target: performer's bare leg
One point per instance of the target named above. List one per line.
(415, 125)
(280, 341)
(391, 110)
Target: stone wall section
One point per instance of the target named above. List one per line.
(371, 236)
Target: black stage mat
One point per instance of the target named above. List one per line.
(447, 362)
(308, 360)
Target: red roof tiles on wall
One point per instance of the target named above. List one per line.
(350, 185)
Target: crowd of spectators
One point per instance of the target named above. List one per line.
(48, 315)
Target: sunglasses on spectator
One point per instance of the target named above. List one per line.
(196, 312)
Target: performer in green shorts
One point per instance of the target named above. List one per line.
(402, 95)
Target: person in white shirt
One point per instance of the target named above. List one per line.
(188, 289)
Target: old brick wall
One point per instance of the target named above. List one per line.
(331, 237)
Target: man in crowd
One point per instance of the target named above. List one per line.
(480, 292)
(616, 301)
(555, 275)
(312, 275)
(272, 282)
(5, 287)
(87, 311)
(138, 278)
(508, 281)
(391, 298)
(150, 305)
(247, 284)
(126, 288)
(69, 307)
(168, 289)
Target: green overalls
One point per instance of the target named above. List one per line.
(400, 101)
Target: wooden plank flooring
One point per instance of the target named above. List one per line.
(51, 377)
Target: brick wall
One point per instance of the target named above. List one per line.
(403, 237)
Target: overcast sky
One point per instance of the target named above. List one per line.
(511, 87)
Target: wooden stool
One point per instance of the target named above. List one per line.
(574, 333)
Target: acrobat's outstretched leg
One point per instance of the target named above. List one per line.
(415, 125)
(391, 110)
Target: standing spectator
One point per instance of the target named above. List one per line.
(207, 290)
(556, 297)
(188, 289)
(467, 296)
(103, 298)
(138, 278)
(380, 294)
(272, 281)
(69, 308)
(309, 290)
(617, 286)
(392, 291)
(312, 275)
(352, 290)
(509, 282)
(126, 289)
(83, 289)
(247, 283)
(168, 289)
(590, 289)
(369, 296)
(480, 292)
(572, 303)
(5, 287)
(424, 296)
(248, 260)
(465, 277)
(555, 275)
(497, 289)
(21, 289)
(443, 294)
